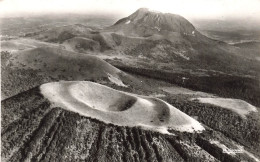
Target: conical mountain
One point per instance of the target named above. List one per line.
(145, 22)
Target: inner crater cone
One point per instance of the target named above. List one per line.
(120, 108)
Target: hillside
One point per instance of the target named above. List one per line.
(47, 131)
(25, 69)
(168, 38)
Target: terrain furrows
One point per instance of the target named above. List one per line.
(127, 152)
(103, 141)
(31, 145)
(19, 105)
(177, 147)
(117, 144)
(26, 116)
(80, 135)
(154, 146)
(62, 139)
(222, 147)
(138, 144)
(149, 152)
(42, 152)
(95, 146)
(132, 143)
(73, 147)
(243, 131)
(113, 147)
(101, 154)
(166, 149)
(19, 132)
(111, 144)
(215, 151)
(190, 151)
(89, 140)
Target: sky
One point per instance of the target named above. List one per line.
(186, 8)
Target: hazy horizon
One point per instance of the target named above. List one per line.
(200, 9)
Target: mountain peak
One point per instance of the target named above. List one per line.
(147, 10)
(143, 9)
(149, 21)
(141, 12)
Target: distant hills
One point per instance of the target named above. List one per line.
(155, 41)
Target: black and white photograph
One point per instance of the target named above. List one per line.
(130, 80)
